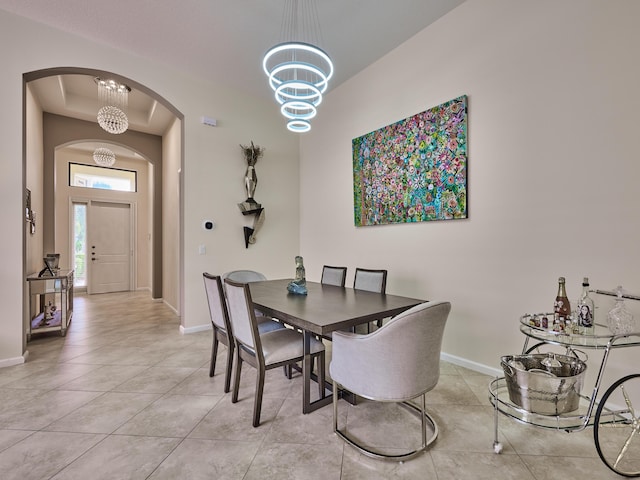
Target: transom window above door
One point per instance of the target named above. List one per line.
(91, 176)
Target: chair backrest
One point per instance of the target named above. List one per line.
(244, 276)
(399, 361)
(370, 280)
(333, 275)
(217, 305)
(414, 340)
(243, 319)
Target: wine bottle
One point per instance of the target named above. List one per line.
(585, 310)
(561, 307)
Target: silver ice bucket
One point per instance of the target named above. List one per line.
(540, 388)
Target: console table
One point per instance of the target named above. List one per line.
(50, 302)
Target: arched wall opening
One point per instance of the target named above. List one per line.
(59, 130)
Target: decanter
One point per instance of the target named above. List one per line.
(619, 319)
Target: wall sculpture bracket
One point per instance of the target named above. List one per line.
(250, 207)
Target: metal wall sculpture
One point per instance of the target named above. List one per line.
(250, 207)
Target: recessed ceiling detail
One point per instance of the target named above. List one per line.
(76, 96)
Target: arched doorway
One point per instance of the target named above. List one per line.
(69, 101)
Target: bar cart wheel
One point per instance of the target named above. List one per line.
(617, 429)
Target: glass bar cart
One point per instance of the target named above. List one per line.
(615, 416)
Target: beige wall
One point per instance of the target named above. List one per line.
(171, 151)
(553, 166)
(34, 182)
(34, 173)
(140, 201)
(212, 169)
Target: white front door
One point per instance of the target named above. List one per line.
(109, 247)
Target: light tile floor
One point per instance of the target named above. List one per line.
(125, 396)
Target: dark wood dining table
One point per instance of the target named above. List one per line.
(325, 309)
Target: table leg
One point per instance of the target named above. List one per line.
(306, 372)
(307, 405)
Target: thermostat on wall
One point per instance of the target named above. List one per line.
(208, 224)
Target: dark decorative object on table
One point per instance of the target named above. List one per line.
(51, 262)
(299, 285)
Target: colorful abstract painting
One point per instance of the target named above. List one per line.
(414, 170)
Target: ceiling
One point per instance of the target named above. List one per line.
(222, 41)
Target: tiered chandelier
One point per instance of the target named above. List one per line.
(114, 99)
(104, 157)
(298, 71)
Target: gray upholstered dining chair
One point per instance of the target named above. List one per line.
(282, 347)
(371, 281)
(244, 276)
(333, 275)
(222, 332)
(398, 362)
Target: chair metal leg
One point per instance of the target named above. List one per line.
(424, 418)
(257, 404)
(335, 406)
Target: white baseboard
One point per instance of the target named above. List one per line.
(9, 362)
(171, 307)
(197, 328)
(476, 367)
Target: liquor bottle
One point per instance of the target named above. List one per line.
(585, 310)
(561, 307)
